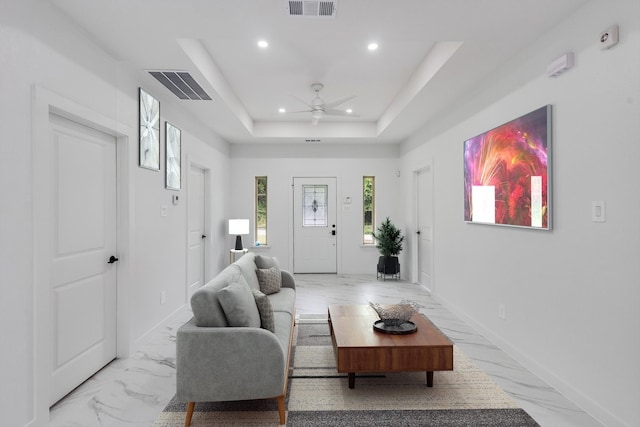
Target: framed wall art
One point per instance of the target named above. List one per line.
(507, 173)
(149, 131)
(172, 156)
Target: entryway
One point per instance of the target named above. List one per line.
(314, 225)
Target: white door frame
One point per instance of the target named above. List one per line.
(207, 221)
(338, 221)
(415, 273)
(45, 102)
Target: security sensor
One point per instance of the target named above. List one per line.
(609, 37)
(560, 65)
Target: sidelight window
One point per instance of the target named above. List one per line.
(368, 209)
(261, 210)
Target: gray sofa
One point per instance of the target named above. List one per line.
(225, 352)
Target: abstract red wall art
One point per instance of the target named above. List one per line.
(507, 171)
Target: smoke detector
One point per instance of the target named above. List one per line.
(312, 8)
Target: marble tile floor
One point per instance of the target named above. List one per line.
(133, 391)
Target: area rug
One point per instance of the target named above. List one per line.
(319, 396)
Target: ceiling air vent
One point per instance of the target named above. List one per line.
(181, 84)
(314, 8)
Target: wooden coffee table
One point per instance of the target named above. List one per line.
(360, 348)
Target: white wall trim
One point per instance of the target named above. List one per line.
(44, 102)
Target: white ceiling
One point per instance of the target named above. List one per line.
(430, 53)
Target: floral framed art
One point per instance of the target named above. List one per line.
(149, 131)
(172, 156)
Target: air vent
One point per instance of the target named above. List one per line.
(312, 8)
(312, 140)
(181, 84)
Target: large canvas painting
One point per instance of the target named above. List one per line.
(172, 156)
(149, 116)
(507, 173)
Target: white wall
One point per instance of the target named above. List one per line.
(39, 47)
(571, 294)
(281, 163)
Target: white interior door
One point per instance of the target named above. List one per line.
(197, 235)
(83, 282)
(425, 228)
(314, 225)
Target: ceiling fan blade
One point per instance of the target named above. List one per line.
(330, 105)
(334, 112)
(300, 111)
(301, 100)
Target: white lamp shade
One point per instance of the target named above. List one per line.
(238, 226)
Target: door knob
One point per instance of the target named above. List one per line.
(204, 236)
(112, 259)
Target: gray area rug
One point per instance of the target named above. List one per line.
(319, 396)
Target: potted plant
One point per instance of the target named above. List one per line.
(389, 242)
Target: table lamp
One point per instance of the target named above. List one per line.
(238, 227)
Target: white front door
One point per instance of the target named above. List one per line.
(83, 280)
(197, 235)
(425, 228)
(314, 225)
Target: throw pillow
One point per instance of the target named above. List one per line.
(269, 280)
(238, 304)
(266, 311)
(263, 261)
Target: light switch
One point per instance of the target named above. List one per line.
(598, 213)
(163, 210)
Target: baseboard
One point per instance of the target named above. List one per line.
(145, 336)
(567, 390)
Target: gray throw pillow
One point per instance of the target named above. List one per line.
(238, 304)
(266, 311)
(269, 279)
(263, 261)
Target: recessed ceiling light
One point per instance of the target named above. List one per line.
(372, 46)
(263, 44)
(281, 110)
(349, 110)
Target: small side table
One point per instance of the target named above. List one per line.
(233, 254)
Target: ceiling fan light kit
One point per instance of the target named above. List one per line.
(318, 108)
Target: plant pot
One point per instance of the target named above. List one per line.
(388, 265)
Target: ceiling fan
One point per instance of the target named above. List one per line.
(318, 108)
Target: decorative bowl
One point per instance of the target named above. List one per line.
(396, 314)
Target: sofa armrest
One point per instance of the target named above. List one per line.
(287, 280)
(228, 363)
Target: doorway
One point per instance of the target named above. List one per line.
(314, 225)
(196, 230)
(424, 201)
(83, 261)
(45, 103)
